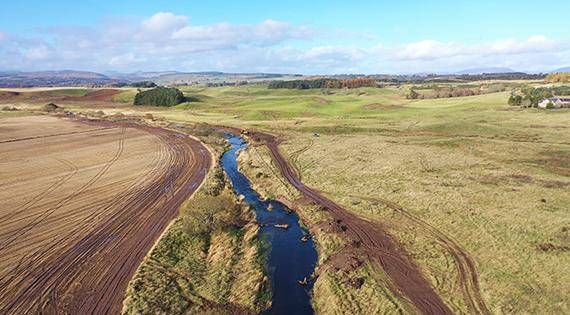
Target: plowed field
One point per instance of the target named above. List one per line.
(81, 205)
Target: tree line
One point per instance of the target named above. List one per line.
(323, 84)
(139, 84)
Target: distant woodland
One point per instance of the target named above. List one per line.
(324, 84)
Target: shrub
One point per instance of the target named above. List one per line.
(549, 105)
(207, 213)
(159, 96)
(412, 95)
(515, 100)
(51, 107)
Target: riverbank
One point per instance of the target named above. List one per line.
(209, 259)
(290, 252)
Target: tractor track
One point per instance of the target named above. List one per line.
(36, 199)
(38, 219)
(91, 273)
(465, 265)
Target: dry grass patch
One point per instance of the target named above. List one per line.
(477, 193)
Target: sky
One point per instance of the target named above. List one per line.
(306, 37)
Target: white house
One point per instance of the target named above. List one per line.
(557, 101)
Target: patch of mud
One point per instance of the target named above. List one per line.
(550, 247)
(95, 96)
(554, 184)
(555, 161)
(321, 100)
(381, 106)
(517, 179)
(346, 261)
(544, 126)
(355, 283)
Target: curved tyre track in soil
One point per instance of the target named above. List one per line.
(406, 278)
(91, 275)
(467, 271)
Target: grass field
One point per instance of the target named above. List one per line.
(493, 179)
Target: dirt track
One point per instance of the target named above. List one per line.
(82, 205)
(467, 271)
(406, 278)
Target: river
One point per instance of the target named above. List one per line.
(290, 260)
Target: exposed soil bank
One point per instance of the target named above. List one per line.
(92, 272)
(290, 261)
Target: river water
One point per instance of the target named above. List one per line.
(290, 260)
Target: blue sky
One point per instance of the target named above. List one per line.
(284, 36)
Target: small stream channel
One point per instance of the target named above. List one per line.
(289, 258)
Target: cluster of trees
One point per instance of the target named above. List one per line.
(451, 91)
(160, 96)
(528, 96)
(143, 84)
(324, 84)
(351, 83)
(140, 84)
(558, 77)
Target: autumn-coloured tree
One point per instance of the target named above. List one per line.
(558, 77)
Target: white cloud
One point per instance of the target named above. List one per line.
(164, 21)
(168, 41)
(126, 59)
(430, 49)
(37, 53)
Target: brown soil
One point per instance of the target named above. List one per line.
(345, 261)
(554, 184)
(83, 203)
(103, 95)
(549, 247)
(381, 106)
(379, 247)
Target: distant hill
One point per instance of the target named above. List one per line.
(565, 69)
(64, 74)
(486, 70)
(139, 75)
(54, 78)
(86, 78)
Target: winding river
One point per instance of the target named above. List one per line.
(290, 260)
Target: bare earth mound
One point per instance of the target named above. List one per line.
(82, 203)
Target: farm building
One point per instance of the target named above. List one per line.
(556, 101)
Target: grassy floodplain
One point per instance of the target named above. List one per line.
(493, 178)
